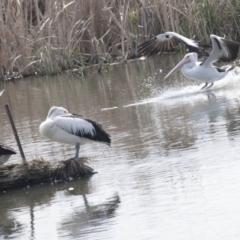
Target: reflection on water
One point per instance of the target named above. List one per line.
(83, 222)
(172, 171)
(31, 203)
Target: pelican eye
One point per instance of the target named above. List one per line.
(167, 36)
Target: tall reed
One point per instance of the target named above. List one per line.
(47, 36)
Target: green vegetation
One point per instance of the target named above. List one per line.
(47, 37)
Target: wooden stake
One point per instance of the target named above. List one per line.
(15, 133)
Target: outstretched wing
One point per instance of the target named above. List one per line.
(222, 50)
(167, 41)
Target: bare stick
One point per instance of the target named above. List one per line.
(15, 133)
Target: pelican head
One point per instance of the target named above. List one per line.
(56, 111)
(190, 58)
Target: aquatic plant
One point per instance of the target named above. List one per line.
(46, 37)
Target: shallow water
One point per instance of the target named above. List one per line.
(172, 171)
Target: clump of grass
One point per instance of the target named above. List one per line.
(38, 171)
(70, 169)
(46, 37)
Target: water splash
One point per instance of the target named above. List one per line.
(106, 109)
(194, 92)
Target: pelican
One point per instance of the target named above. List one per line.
(169, 40)
(5, 153)
(64, 127)
(222, 50)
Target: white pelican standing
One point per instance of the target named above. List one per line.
(222, 50)
(167, 41)
(5, 153)
(64, 127)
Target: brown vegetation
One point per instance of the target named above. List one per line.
(39, 171)
(46, 36)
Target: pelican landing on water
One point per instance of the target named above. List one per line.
(167, 41)
(222, 50)
(64, 127)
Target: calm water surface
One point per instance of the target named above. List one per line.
(173, 171)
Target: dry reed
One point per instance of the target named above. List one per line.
(47, 37)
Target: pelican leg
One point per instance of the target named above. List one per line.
(77, 150)
(210, 86)
(77, 147)
(204, 86)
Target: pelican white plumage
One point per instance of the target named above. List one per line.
(222, 50)
(64, 127)
(5, 153)
(167, 41)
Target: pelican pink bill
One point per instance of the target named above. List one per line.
(222, 50)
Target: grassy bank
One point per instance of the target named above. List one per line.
(47, 37)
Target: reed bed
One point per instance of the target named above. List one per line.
(47, 37)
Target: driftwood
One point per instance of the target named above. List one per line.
(39, 171)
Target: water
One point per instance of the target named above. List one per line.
(172, 171)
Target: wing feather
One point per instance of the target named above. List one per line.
(82, 127)
(166, 41)
(224, 50)
(155, 46)
(5, 150)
